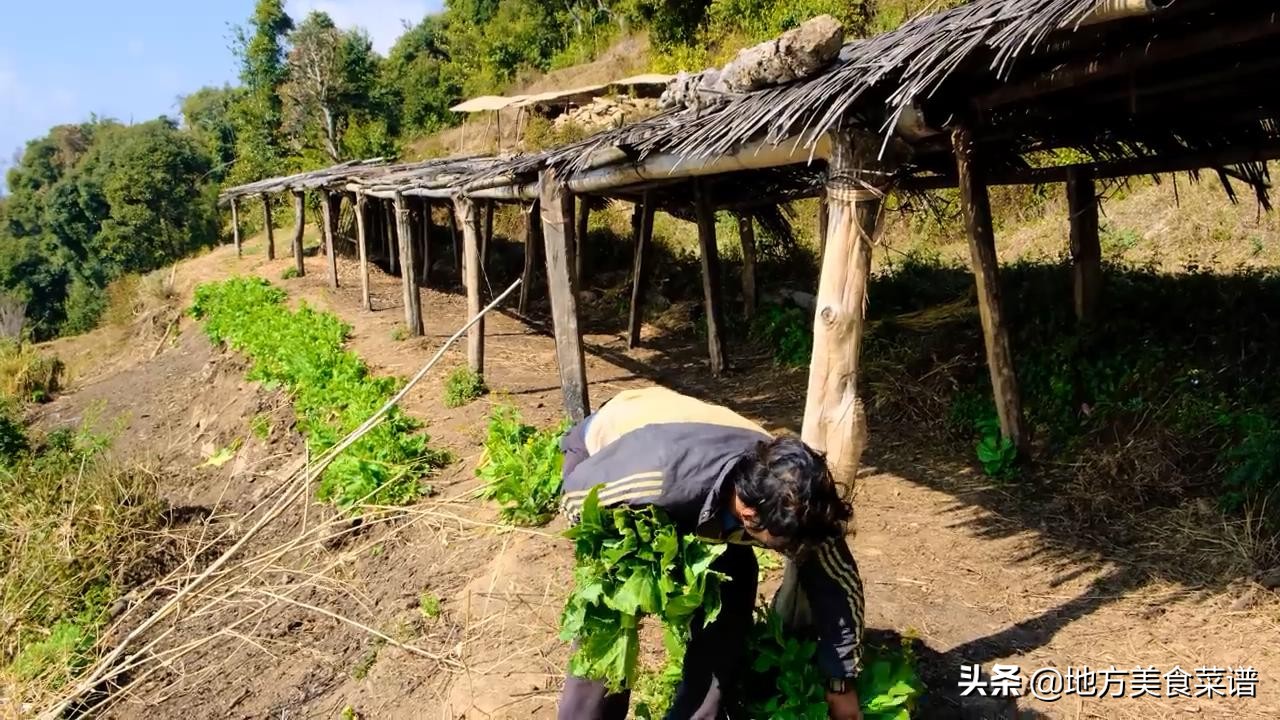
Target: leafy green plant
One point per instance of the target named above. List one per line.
(785, 682)
(333, 392)
(289, 273)
(260, 426)
(1254, 461)
(996, 453)
(400, 334)
(787, 330)
(521, 468)
(429, 605)
(462, 386)
(631, 563)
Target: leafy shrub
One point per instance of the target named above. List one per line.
(785, 682)
(27, 375)
(996, 452)
(1254, 462)
(788, 330)
(462, 386)
(521, 468)
(332, 390)
(84, 306)
(289, 273)
(632, 563)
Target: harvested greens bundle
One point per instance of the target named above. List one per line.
(785, 683)
(632, 563)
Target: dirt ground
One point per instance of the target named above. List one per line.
(943, 561)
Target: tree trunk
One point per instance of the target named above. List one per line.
(558, 231)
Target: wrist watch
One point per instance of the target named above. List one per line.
(839, 686)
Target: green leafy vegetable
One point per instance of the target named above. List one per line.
(632, 563)
(521, 468)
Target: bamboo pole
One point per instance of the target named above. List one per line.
(424, 277)
(976, 206)
(557, 232)
(747, 236)
(362, 243)
(299, 228)
(393, 231)
(469, 214)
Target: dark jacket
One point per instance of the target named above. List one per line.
(680, 465)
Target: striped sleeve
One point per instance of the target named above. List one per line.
(830, 580)
(628, 473)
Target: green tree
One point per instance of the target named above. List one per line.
(207, 115)
(258, 115)
(420, 77)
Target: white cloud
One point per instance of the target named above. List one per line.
(382, 19)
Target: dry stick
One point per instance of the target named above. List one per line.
(287, 499)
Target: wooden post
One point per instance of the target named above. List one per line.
(747, 235)
(235, 226)
(362, 244)
(408, 276)
(557, 231)
(469, 214)
(393, 236)
(424, 278)
(710, 277)
(640, 267)
(327, 210)
(834, 417)
(532, 251)
(457, 244)
(486, 245)
(580, 237)
(1086, 252)
(976, 206)
(824, 222)
(299, 227)
(271, 234)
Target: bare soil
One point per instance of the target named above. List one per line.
(947, 559)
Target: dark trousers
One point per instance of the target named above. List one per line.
(714, 658)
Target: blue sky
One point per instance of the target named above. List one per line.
(60, 62)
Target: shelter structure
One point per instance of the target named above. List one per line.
(991, 92)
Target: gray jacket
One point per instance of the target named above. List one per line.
(680, 467)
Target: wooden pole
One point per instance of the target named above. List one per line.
(235, 227)
(640, 268)
(532, 251)
(271, 235)
(747, 235)
(362, 244)
(327, 210)
(424, 278)
(299, 228)
(580, 237)
(408, 279)
(824, 222)
(834, 418)
(393, 236)
(976, 206)
(557, 231)
(1086, 251)
(469, 214)
(457, 243)
(710, 277)
(486, 245)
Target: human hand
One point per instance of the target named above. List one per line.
(844, 706)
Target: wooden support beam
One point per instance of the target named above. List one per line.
(457, 243)
(1086, 250)
(580, 240)
(710, 255)
(299, 227)
(328, 213)
(235, 226)
(271, 234)
(976, 206)
(393, 236)
(469, 215)
(424, 277)
(532, 252)
(362, 245)
(487, 246)
(834, 417)
(408, 274)
(747, 235)
(640, 267)
(558, 230)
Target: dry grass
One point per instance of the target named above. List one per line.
(27, 374)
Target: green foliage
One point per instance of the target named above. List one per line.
(785, 682)
(521, 467)
(656, 689)
(71, 527)
(260, 426)
(289, 273)
(429, 606)
(462, 386)
(1254, 461)
(26, 374)
(788, 331)
(332, 390)
(631, 563)
(995, 452)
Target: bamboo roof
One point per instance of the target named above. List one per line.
(1157, 86)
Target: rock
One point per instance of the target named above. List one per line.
(587, 297)
(1270, 579)
(796, 54)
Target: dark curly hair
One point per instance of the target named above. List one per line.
(790, 487)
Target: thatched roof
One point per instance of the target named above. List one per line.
(1189, 83)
